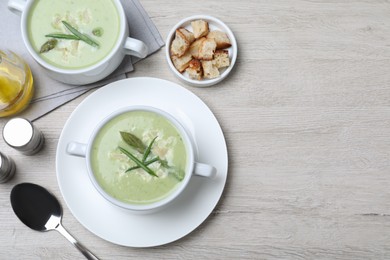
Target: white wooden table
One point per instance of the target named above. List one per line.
(306, 117)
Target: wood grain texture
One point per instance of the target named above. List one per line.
(306, 116)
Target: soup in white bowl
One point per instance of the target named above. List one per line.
(97, 20)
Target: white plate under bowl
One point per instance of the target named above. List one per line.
(214, 24)
(182, 216)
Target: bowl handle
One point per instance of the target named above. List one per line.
(135, 48)
(204, 170)
(17, 6)
(76, 149)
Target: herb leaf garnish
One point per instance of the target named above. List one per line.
(146, 164)
(49, 45)
(62, 36)
(138, 145)
(138, 162)
(133, 141)
(76, 35)
(80, 35)
(147, 151)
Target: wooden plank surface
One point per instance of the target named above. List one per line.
(306, 117)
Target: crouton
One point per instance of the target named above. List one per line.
(181, 63)
(207, 49)
(220, 38)
(200, 28)
(221, 59)
(180, 44)
(209, 70)
(194, 70)
(187, 34)
(195, 46)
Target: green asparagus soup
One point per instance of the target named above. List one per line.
(73, 34)
(154, 142)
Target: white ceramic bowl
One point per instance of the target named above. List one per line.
(124, 46)
(192, 168)
(214, 24)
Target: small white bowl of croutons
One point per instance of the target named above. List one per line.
(201, 50)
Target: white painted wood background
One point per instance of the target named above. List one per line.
(306, 116)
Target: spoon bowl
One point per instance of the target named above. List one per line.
(38, 209)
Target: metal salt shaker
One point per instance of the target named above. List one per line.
(7, 168)
(22, 135)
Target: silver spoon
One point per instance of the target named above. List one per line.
(40, 210)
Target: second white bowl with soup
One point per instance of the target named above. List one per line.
(77, 42)
(140, 158)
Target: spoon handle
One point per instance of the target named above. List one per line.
(77, 244)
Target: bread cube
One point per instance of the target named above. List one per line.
(195, 46)
(207, 49)
(180, 44)
(220, 38)
(209, 70)
(181, 63)
(200, 28)
(195, 70)
(187, 34)
(221, 59)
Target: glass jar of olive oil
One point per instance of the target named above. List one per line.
(16, 84)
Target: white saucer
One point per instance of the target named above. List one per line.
(183, 215)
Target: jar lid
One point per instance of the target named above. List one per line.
(18, 132)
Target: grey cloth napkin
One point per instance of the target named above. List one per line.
(50, 94)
